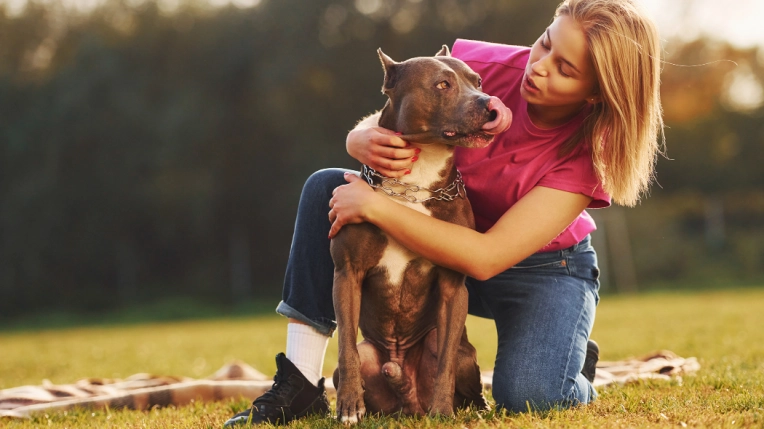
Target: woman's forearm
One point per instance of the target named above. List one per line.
(528, 226)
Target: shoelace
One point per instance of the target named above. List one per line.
(279, 386)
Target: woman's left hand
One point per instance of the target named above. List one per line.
(349, 203)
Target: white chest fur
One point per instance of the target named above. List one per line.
(425, 172)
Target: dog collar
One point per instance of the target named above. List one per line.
(398, 189)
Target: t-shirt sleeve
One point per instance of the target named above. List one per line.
(577, 175)
(467, 50)
(479, 52)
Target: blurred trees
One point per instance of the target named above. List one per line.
(149, 152)
(152, 153)
(704, 223)
(712, 97)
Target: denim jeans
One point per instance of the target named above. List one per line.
(543, 307)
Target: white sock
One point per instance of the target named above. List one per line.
(306, 348)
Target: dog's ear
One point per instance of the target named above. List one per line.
(390, 70)
(443, 52)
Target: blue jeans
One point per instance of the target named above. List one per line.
(543, 307)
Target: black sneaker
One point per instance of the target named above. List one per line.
(292, 396)
(590, 362)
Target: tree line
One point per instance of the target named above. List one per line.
(149, 153)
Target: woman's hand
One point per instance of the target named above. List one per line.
(350, 203)
(381, 149)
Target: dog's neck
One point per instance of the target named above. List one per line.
(435, 163)
(433, 177)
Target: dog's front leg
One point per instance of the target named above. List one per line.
(452, 314)
(347, 308)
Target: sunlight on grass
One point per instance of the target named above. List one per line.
(722, 329)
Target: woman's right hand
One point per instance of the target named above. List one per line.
(382, 150)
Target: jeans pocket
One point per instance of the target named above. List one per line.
(530, 265)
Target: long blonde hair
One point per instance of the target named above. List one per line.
(625, 129)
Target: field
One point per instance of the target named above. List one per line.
(723, 329)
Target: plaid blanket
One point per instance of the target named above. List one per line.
(237, 379)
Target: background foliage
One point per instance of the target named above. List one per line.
(151, 151)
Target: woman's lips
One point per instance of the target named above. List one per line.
(529, 85)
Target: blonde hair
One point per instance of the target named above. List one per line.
(625, 129)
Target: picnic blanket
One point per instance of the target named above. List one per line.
(237, 379)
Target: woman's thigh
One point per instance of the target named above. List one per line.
(307, 292)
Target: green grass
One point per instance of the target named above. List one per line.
(722, 329)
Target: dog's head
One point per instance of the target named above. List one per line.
(440, 100)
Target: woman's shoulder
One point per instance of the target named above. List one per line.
(475, 51)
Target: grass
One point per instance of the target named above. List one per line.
(723, 329)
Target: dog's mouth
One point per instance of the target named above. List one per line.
(469, 132)
(498, 120)
(476, 139)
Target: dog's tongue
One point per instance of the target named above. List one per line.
(503, 117)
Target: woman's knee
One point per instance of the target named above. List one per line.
(317, 190)
(522, 393)
(325, 179)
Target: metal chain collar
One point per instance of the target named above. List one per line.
(449, 193)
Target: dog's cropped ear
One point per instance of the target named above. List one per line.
(443, 52)
(390, 68)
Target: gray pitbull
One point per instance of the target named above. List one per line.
(415, 357)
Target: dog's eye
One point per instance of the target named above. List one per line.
(480, 83)
(443, 85)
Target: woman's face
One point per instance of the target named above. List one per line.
(559, 71)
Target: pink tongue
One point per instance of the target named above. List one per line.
(503, 117)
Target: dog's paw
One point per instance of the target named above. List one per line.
(350, 406)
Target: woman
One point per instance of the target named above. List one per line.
(587, 119)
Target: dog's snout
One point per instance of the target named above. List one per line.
(492, 115)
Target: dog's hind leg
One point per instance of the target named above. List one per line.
(469, 385)
(378, 394)
(452, 314)
(403, 375)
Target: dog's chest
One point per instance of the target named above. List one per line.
(428, 171)
(396, 260)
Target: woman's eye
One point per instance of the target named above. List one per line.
(443, 85)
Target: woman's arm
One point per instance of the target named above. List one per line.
(535, 220)
(380, 148)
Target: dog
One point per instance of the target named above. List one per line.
(415, 357)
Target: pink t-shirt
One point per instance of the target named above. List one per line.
(524, 156)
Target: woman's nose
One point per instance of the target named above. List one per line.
(540, 67)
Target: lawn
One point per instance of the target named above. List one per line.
(723, 329)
